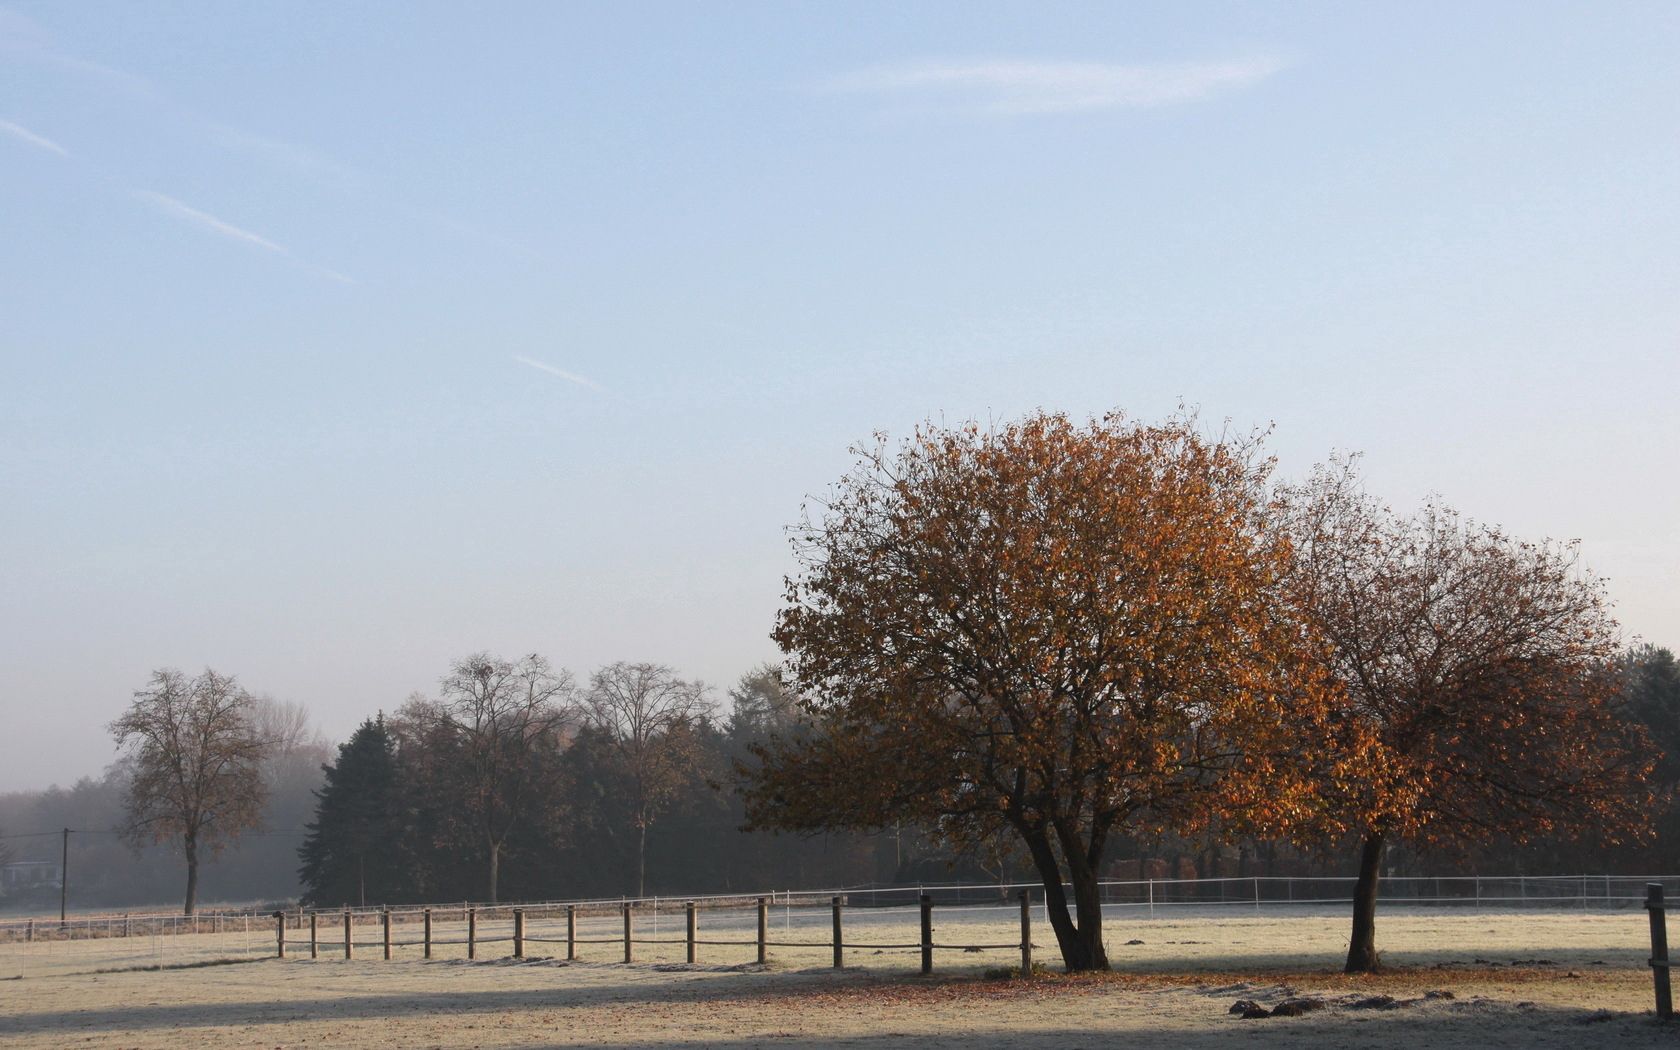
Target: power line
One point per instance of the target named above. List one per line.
(60, 831)
(118, 831)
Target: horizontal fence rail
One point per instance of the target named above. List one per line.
(736, 928)
(1494, 891)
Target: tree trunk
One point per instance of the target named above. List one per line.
(1083, 858)
(495, 868)
(1087, 897)
(1362, 945)
(1081, 944)
(189, 846)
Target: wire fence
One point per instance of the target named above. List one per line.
(799, 927)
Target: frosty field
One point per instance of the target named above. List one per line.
(1518, 978)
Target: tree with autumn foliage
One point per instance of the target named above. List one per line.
(1481, 671)
(1047, 634)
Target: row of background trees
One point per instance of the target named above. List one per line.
(513, 781)
(389, 833)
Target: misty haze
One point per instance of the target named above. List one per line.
(653, 524)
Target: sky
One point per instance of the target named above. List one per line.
(339, 341)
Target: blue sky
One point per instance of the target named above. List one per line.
(337, 341)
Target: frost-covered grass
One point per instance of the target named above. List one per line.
(1516, 979)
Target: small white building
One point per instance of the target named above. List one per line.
(23, 875)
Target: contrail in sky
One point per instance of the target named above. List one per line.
(205, 221)
(1017, 87)
(570, 377)
(23, 134)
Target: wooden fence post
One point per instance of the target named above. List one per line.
(927, 935)
(29, 935)
(314, 941)
(385, 930)
(426, 934)
(690, 918)
(1026, 933)
(763, 929)
(571, 932)
(1659, 949)
(629, 955)
(349, 946)
(839, 949)
(472, 933)
(280, 934)
(519, 933)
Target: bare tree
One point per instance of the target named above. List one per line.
(196, 760)
(762, 705)
(283, 726)
(508, 717)
(647, 714)
(293, 748)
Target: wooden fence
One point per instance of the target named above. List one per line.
(691, 939)
(1146, 896)
(1659, 950)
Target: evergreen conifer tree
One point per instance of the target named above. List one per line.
(355, 849)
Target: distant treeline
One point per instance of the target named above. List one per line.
(106, 871)
(512, 784)
(619, 786)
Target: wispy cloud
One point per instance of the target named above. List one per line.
(27, 42)
(205, 221)
(1008, 87)
(570, 377)
(24, 39)
(318, 167)
(23, 134)
(304, 160)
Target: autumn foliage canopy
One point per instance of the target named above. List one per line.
(1049, 632)
(1480, 670)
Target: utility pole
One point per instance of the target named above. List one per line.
(64, 878)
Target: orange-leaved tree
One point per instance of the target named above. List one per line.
(1480, 668)
(1045, 633)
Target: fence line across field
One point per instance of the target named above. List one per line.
(785, 921)
(521, 936)
(926, 945)
(1494, 891)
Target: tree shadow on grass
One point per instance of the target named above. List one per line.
(1478, 1023)
(779, 995)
